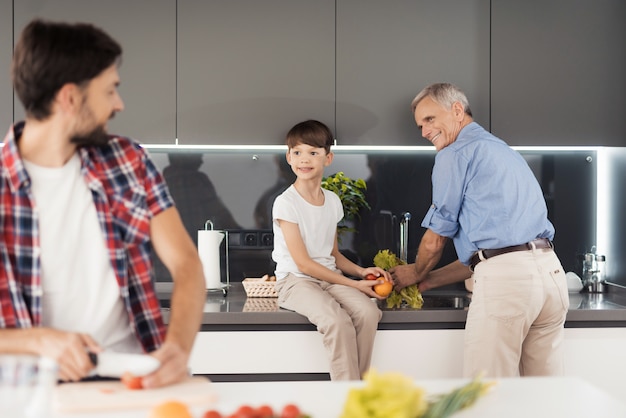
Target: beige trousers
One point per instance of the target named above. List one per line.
(515, 321)
(346, 317)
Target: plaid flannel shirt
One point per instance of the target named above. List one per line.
(127, 190)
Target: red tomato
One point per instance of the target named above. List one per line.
(245, 411)
(264, 411)
(131, 382)
(212, 414)
(371, 277)
(290, 411)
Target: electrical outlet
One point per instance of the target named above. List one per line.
(251, 239)
(267, 239)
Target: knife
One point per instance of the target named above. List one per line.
(112, 364)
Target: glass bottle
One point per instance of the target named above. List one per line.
(600, 273)
(589, 271)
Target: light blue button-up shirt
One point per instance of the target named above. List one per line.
(485, 196)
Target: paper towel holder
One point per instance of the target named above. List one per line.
(224, 286)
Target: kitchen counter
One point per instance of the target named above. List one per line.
(251, 339)
(522, 397)
(234, 311)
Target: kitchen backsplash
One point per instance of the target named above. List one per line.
(235, 189)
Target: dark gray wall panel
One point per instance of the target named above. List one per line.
(147, 32)
(558, 71)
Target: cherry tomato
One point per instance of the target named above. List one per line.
(131, 382)
(212, 413)
(264, 411)
(371, 277)
(245, 411)
(290, 411)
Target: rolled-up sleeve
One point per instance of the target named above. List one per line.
(448, 180)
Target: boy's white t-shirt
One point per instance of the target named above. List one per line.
(318, 227)
(80, 290)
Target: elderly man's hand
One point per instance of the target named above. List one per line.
(403, 276)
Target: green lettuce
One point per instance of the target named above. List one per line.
(410, 295)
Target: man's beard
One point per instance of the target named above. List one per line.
(97, 137)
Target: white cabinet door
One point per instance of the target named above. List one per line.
(598, 355)
(423, 354)
(594, 354)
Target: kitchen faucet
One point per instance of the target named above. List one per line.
(404, 236)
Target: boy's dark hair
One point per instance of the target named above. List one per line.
(49, 55)
(310, 132)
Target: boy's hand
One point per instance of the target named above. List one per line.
(367, 287)
(373, 276)
(377, 273)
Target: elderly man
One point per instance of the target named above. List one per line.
(487, 200)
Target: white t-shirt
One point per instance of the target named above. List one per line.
(80, 290)
(317, 224)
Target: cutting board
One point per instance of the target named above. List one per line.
(113, 395)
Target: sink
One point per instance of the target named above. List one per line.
(435, 301)
(445, 302)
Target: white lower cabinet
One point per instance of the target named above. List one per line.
(598, 355)
(595, 354)
(421, 353)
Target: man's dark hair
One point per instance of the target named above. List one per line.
(310, 132)
(49, 55)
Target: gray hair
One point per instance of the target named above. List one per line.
(443, 93)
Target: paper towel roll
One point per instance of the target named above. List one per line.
(209, 251)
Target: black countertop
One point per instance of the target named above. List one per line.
(232, 310)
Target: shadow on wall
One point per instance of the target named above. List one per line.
(195, 196)
(263, 208)
(196, 200)
(397, 184)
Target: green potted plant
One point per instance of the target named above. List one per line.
(351, 192)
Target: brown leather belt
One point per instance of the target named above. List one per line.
(539, 243)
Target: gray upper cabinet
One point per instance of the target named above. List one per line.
(147, 33)
(388, 51)
(248, 70)
(245, 71)
(559, 72)
(6, 53)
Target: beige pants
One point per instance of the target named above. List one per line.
(515, 321)
(345, 316)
